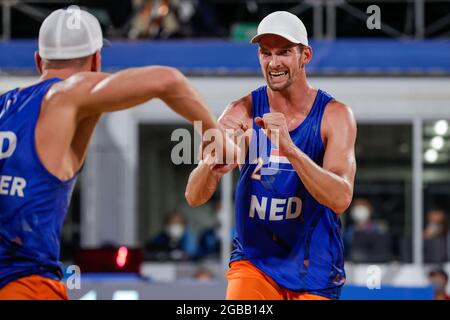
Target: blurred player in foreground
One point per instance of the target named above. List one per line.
(296, 180)
(45, 130)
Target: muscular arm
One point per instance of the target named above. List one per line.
(204, 179)
(331, 185)
(95, 93)
(71, 109)
(202, 184)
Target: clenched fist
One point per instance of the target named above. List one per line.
(275, 127)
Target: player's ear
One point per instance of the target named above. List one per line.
(306, 54)
(38, 62)
(96, 62)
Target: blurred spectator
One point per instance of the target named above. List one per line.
(436, 224)
(203, 274)
(176, 242)
(366, 240)
(209, 239)
(436, 236)
(149, 18)
(209, 244)
(174, 19)
(439, 280)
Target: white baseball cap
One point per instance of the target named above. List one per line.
(283, 24)
(70, 33)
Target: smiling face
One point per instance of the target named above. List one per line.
(282, 61)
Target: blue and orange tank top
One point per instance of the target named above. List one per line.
(280, 227)
(33, 202)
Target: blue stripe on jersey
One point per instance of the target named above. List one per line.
(280, 227)
(33, 202)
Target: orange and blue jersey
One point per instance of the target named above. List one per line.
(33, 202)
(281, 228)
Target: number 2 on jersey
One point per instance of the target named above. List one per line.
(256, 173)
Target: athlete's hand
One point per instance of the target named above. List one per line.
(218, 169)
(239, 132)
(231, 144)
(221, 154)
(233, 126)
(275, 127)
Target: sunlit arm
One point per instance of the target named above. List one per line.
(332, 185)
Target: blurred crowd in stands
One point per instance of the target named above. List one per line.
(367, 237)
(165, 19)
(178, 242)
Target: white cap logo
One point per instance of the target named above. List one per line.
(74, 20)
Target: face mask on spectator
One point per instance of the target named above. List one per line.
(434, 228)
(175, 230)
(360, 213)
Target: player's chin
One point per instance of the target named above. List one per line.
(278, 86)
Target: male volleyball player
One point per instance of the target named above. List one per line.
(45, 130)
(296, 180)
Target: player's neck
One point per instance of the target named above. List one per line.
(297, 95)
(57, 73)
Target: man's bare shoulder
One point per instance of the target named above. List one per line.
(337, 112)
(75, 87)
(241, 108)
(244, 102)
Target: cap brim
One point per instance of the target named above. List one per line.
(106, 43)
(256, 38)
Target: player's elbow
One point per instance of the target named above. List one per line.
(192, 200)
(343, 201)
(170, 79)
(340, 207)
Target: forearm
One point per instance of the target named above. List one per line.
(326, 187)
(201, 185)
(131, 87)
(182, 98)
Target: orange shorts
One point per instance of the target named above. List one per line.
(34, 288)
(247, 282)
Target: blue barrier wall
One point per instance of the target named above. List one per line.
(350, 292)
(360, 56)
